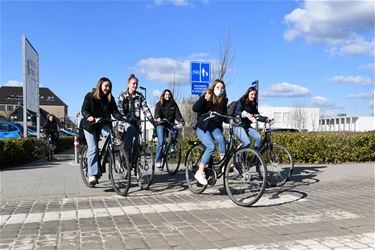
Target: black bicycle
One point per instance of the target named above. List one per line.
(279, 160)
(111, 156)
(240, 167)
(49, 146)
(142, 160)
(172, 149)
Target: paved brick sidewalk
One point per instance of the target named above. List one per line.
(323, 207)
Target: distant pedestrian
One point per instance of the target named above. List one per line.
(51, 128)
(214, 99)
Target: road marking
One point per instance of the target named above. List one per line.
(291, 218)
(352, 241)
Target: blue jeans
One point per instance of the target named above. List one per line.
(207, 138)
(92, 149)
(160, 131)
(240, 132)
(131, 139)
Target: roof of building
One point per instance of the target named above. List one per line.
(14, 95)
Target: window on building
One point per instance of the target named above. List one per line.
(286, 117)
(10, 108)
(278, 116)
(2, 107)
(50, 98)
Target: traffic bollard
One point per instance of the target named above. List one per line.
(76, 147)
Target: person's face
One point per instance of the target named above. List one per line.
(132, 85)
(106, 88)
(167, 96)
(252, 95)
(219, 87)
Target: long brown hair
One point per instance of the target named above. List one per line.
(217, 101)
(98, 95)
(162, 96)
(245, 98)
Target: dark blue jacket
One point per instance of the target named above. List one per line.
(202, 107)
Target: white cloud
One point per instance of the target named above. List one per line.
(13, 83)
(340, 23)
(362, 95)
(369, 66)
(356, 80)
(285, 89)
(167, 70)
(156, 93)
(178, 3)
(322, 101)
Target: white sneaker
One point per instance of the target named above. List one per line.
(158, 164)
(92, 180)
(201, 178)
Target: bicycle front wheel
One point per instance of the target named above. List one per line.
(192, 160)
(84, 167)
(280, 165)
(119, 172)
(173, 157)
(145, 168)
(241, 179)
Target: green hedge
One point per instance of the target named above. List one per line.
(23, 150)
(322, 147)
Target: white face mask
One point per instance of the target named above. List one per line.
(218, 92)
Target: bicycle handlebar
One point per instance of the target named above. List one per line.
(212, 114)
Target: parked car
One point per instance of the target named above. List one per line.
(10, 130)
(31, 132)
(64, 132)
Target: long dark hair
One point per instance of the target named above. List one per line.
(98, 90)
(162, 100)
(245, 98)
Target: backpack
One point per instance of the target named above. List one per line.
(232, 108)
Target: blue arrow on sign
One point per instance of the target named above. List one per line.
(205, 72)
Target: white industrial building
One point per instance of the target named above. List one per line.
(300, 118)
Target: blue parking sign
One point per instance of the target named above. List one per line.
(200, 77)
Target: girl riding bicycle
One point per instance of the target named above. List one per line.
(97, 104)
(165, 109)
(131, 103)
(214, 99)
(247, 109)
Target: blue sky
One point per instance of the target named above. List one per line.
(309, 53)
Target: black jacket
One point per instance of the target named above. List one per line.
(249, 108)
(98, 109)
(169, 111)
(202, 107)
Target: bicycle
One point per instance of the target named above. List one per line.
(49, 146)
(142, 161)
(172, 149)
(112, 154)
(240, 167)
(279, 160)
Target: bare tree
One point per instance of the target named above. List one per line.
(175, 87)
(298, 116)
(225, 58)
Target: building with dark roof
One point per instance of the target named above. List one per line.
(11, 98)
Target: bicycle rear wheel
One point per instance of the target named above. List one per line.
(241, 179)
(145, 168)
(192, 160)
(173, 157)
(119, 171)
(84, 167)
(280, 165)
